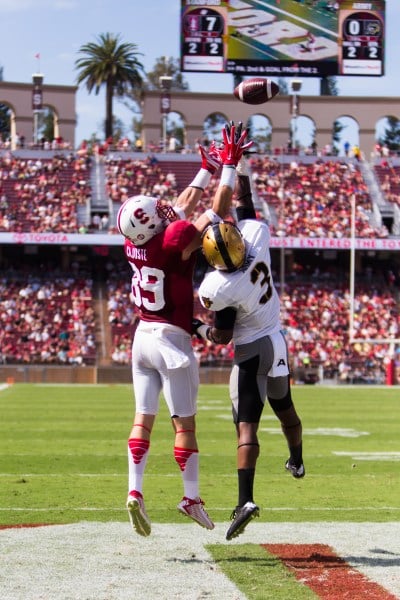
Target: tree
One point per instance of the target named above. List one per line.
(5, 115)
(329, 87)
(112, 64)
(46, 124)
(5, 119)
(391, 135)
(336, 135)
(166, 66)
(283, 86)
(213, 126)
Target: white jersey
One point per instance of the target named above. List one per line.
(250, 290)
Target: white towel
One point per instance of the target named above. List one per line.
(173, 356)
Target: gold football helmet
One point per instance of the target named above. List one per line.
(224, 247)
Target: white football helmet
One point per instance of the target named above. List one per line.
(142, 217)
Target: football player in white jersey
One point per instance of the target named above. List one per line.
(241, 291)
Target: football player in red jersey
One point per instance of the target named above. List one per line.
(160, 246)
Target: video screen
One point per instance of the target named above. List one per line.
(307, 38)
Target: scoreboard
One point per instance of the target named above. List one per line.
(203, 35)
(361, 39)
(285, 38)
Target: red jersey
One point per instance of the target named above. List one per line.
(162, 283)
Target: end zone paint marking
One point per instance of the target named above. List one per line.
(325, 573)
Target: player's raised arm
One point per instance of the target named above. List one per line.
(244, 196)
(234, 145)
(189, 198)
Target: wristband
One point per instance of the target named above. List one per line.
(201, 180)
(203, 330)
(180, 212)
(213, 217)
(228, 176)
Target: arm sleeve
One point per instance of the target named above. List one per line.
(244, 207)
(245, 212)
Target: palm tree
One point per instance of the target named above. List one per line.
(113, 64)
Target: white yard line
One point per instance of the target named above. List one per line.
(108, 561)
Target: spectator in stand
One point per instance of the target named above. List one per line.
(160, 249)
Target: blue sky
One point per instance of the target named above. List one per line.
(58, 28)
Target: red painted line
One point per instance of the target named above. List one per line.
(326, 574)
(28, 525)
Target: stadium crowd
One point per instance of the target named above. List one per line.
(301, 199)
(46, 319)
(315, 315)
(42, 195)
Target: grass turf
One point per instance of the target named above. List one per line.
(63, 456)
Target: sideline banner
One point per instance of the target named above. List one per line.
(101, 239)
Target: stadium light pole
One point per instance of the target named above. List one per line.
(281, 217)
(37, 103)
(352, 265)
(295, 88)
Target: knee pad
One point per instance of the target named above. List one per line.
(278, 405)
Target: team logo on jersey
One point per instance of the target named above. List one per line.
(281, 363)
(207, 303)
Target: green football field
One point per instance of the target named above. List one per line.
(63, 458)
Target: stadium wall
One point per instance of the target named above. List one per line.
(90, 375)
(59, 98)
(195, 108)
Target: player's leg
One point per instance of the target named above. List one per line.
(247, 407)
(180, 387)
(186, 454)
(147, 387)
(138, 450)
(280, 400)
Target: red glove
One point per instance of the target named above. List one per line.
(210, 159)
(234, 145)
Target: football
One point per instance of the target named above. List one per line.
(256, 90)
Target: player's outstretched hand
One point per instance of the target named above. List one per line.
(234, 138)
(210, 159)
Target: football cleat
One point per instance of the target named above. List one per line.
(137, 514)
(194, 508)
(297, 472)
(241, 516)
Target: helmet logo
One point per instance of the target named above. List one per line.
(141, 216)
(206, 302)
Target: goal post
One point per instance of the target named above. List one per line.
(392, 342)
